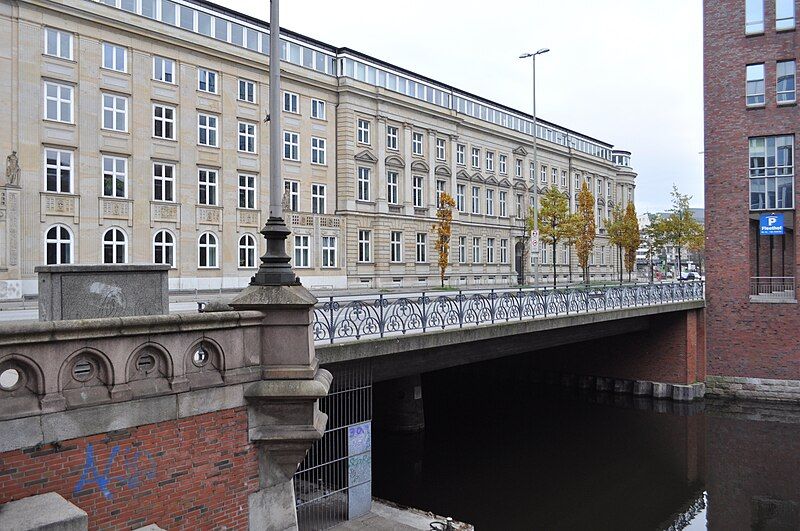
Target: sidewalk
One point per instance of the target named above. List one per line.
(386, 516)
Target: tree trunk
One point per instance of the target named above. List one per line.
(554, 263)
(569, 259)
(680, 277)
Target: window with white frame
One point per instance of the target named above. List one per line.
(503, 251)
(460, 153)
(395, 246)
(115, 176)
(207, 251)
(247, 91)
(318, 112)
(502, 202)
(164, 248)
(476, 200)
(754, 16)
(391, 137)
(291, 102)
(115, 112)
(58, 43)
(318, 198)
(207, 187)
(115, 246)
(422, 247)
(489, 250)
(772, 172)
(318, 150)
(476, 250)
(519, 205)
(207, 130)
(489, 161)
(364, 183)
(291, 145)
(563, 178)
(58, 102)
(565, 254)
(247, 137)
(602, 255)
(543, 253)
(554, 176)
(518, 168)
(503, 164)
(207, 80)
(476, 158)
(532, 172)
(416, 143)
(58, 247)
(416, 190)
(786, 74)
(392, 187)
(247, 191)
(163, 182)
(292, 189)
(329, 251)
(784, 14)
(461, 191)
(362, 131)
(364, 245)
(543, 174)
(247, 251)
(755, 85)
(462, 249)
(115, 57)
(440, 186)
(163, 121)
(163, 69)
(440, 149)
(489, 202)
(302, 251)
(59, 170)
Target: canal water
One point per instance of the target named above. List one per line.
(507, 453)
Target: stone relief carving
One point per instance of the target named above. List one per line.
(12, 169)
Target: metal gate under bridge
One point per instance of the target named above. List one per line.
(334, 482)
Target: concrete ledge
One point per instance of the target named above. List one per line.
(662, 390)
(753, 388)
(642, 388)
(49, 511)
(623, 386)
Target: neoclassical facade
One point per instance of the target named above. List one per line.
(135, 133)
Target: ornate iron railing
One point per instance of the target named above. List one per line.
(358, 317)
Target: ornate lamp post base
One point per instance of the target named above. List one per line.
(275, 269)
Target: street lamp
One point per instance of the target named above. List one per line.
(535, 168)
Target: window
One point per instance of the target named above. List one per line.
(519, 205)
(554, 176)
(476, 158)
(489, 161)
(163, 182)
(163, 121)
(489, 202)
(440, 185)
(476, 250)
(207, 251)
(563, 178)
(786, 75)
(115, 176)
(460, 150)
(503, 160)
(291, 102)
(416, 190)
(247, 91)
(292, 190)
(318, 112)
(462, 249)
(247, 251)
(58, 171)
(503, 208)
(422, 247)
(302, 251)
(247, 137)
(396, 246)
(460, 193)
(476, 200)
(364, 245)
(543, 174)
(115, 57)
(391, 137)
(392, 187)
(416, 143)
(363, 184)
(115, 112)
(58, 245)
(532, 172)
(317, 150)
(363, 131)
(503, 251)
(771, 172)
(207, 130)
(291, 146)
(755, 84)
(164, 70)
(784, 14)
(207, 187)
(164, 248)
(58, 102)
(329, 251)
(58, 43)
(318, 193)
(247, 191)
(490, 250)
(115, 246)
(206, 80)
(440, 149)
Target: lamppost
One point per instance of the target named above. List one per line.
(535, 168)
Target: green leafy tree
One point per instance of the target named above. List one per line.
(681, 227)
(571, 228)
(631, 238)
(553, 216)
(443, 230)
(697, 246)
(655, 238)
(584, 243)
(615, 228)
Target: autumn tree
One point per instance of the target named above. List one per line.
(443, 230)
(553, 215)
(587, 228)
(680, 225)
(654, 238)
(697, 246)
(571, 230)
(631, 238)
(615, 228)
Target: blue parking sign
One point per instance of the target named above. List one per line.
(771, 225)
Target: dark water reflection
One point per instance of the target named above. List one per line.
(508, 456)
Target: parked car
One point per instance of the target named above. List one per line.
(690, 275)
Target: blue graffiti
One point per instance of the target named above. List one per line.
(133, 475)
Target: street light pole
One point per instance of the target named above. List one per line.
(536, 276)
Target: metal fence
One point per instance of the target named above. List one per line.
(357, 317)
(334, 481)
(772, 288)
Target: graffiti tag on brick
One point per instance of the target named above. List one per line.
(137, 466)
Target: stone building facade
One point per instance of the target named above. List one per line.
(136, 133)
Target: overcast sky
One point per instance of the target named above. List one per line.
(628, 72)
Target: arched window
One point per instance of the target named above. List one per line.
(58, 245)
(115, 246)
(247, 251)
(207, 250)
(164, 248)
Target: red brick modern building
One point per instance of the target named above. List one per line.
(752, 123)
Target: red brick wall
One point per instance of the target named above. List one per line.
(743, 339)
(192, 473)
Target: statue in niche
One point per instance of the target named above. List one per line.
(12, 169)
(285, 202)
